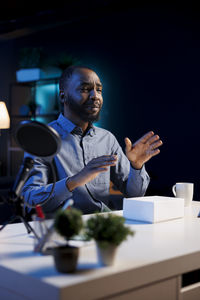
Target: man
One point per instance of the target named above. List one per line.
(90, 157)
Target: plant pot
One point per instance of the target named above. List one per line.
(65, 258)
(106, 256)
(32, 74)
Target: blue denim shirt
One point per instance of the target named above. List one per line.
(76, 151)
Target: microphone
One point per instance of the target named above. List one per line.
(22, 175)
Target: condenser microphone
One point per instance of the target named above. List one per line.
(22, 176)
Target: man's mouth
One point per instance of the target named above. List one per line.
(92, 108)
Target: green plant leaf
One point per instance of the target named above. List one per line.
(68, 222)
(107, 229)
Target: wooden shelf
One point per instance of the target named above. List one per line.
(22, 93)
(38, 115)
(41, 81)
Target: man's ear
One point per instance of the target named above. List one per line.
(62, 96)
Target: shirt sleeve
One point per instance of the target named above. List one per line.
(37, 189)
(131, 182)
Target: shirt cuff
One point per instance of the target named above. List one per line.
(138, 172)
(61, 191)
(60, 195)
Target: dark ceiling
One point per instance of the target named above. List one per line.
(19, 18)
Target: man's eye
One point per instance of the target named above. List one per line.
(84, 90)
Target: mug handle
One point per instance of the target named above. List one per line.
(174, 190)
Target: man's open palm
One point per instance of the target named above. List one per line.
(142, 150)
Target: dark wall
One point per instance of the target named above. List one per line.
(148, 60)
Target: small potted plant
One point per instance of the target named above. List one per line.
(30, 64)
(65, 60)
(68, 223)
(109, 231)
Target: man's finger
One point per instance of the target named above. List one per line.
(153, 139)
(100, 170)
(146, 137)
(128, 144)
(104, 158)
(103, 164)
(155, 152)
(155, 145)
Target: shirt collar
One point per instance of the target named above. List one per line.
(66, 124)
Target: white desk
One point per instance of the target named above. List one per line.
(148, 266)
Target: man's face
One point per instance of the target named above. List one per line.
(84, 95)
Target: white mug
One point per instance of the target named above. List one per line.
(184, 190)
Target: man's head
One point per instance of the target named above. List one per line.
(81, 93)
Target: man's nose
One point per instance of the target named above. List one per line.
(93, 94)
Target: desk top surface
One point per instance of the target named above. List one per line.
(156, 251)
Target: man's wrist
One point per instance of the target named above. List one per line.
(136, 166)
(70, 184)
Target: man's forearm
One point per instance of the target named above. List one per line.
(36, 194)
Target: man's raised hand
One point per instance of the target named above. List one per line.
(143, 149)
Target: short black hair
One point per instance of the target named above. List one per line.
(67, 73)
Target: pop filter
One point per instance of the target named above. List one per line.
(37, 139)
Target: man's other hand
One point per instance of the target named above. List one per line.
(91, 170)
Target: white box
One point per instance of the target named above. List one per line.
(153, 209)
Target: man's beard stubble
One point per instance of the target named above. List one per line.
(80, 111)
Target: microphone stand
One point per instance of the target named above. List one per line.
(18, 213)
(15, 200)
